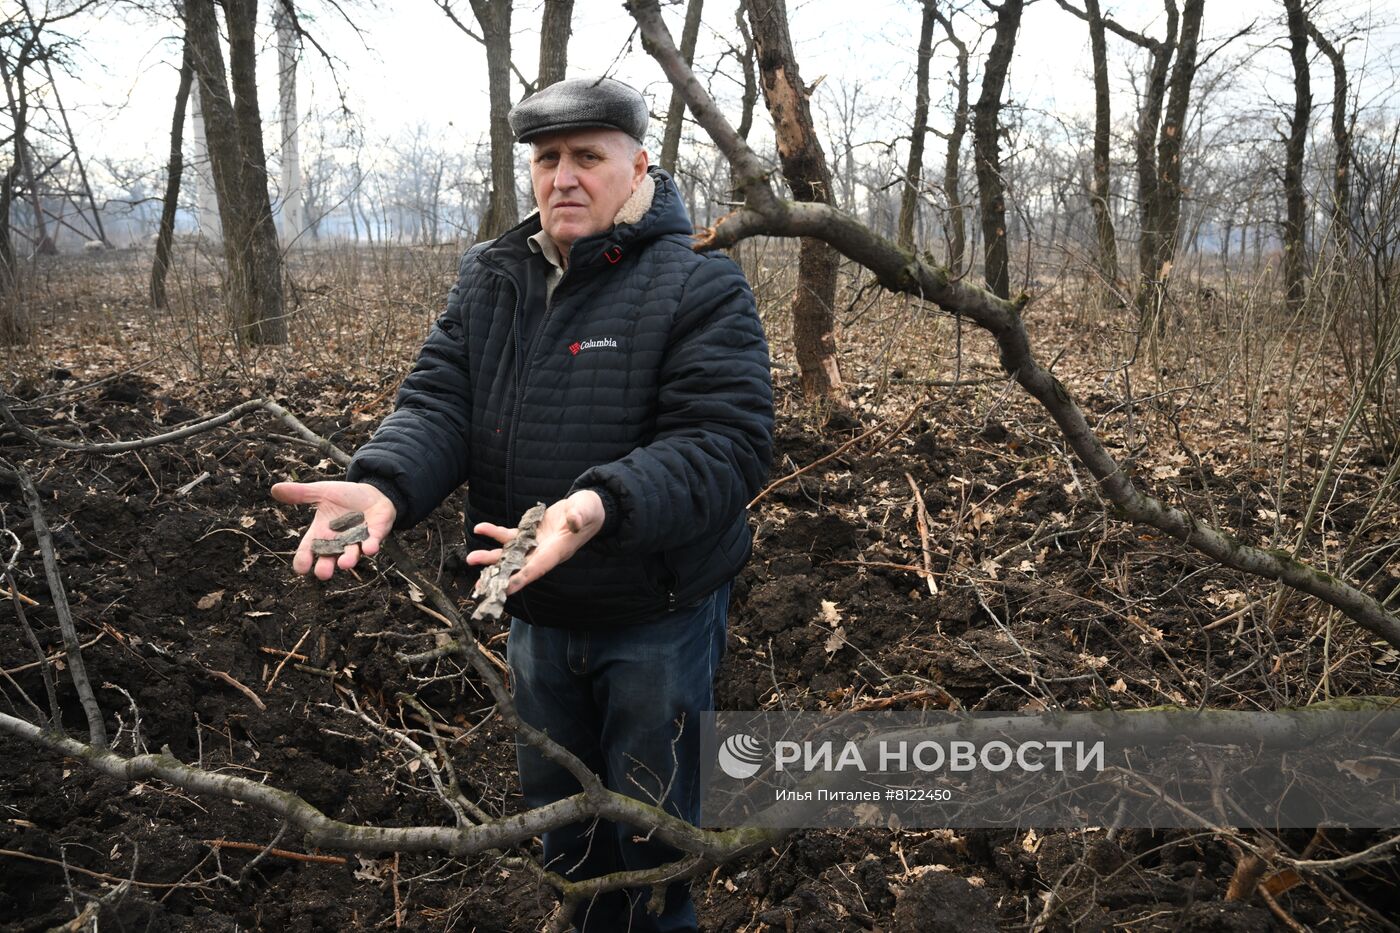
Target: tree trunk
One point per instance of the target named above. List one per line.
(1295, 269)
(206, 196)
(1341, 142)
(1105, 235)
(986, 145)
(913, 173)
(293, 215)
(501, 212)
(1166, 198)
(807, 173)
(175, 169)
(1145, 145)
(675, 114)
(239, 166)
(952, 165)
(556, 24)
(13, 325)
(750, 97)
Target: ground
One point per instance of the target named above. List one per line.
(1042, 600)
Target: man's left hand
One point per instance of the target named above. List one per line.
(567, 525)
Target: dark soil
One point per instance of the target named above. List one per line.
(1087, 614)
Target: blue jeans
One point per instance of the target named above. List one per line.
(628, 703)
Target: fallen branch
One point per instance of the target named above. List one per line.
(278, 853)
(900, 270)
(97, 729)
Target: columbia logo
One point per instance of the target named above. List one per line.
(597, 343)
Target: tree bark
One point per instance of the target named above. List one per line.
(808, 174)
(952, 164)
(675, 114)
(986, 146)
(175, 169)
(501, 212)
(1295, 266)
(913, 172)
(1341, 142)
(1168, 195)
(239, 166)
(1105, 235)
(293, 214)
(556, 24)
(750, 96)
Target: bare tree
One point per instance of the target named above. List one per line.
(288, 51)
(952, 163)
(986, 147)
(909, 202)
(1341, 139)
(1162, 225)
(174, 169)
(807, 173)
(1105, 236)
(764, 213)
(234, 128)
(1295, 201)
(502, 213)
(493, 18)
(675, 113)
(555, 26)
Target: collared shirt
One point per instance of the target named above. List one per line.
(543, 244)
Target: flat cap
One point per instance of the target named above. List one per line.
(581, 103)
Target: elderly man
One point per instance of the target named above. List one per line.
(589, 358)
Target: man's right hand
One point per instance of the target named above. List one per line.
(333, 499)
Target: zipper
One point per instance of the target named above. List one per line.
(522, 370)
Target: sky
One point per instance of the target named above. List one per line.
(411, 68)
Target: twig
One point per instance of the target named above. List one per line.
(283, 653)
(229, 679)
(287, 657)
(186, 489)
(73, 654)
(278, 853)
(55, 711)
(921, 513)
(836, 453)
(101, 876)
(117, 447)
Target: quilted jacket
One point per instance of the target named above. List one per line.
(644, 377)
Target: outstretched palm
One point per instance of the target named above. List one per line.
(333, 499)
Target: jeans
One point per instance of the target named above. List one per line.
(627, 702)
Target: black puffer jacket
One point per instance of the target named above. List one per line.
(647, 379)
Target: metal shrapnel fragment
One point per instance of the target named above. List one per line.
(331, 547)
(347, 521)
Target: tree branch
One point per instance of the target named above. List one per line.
(902, 271)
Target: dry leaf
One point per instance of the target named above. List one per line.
(209, 602)
(1361, 770)
(835, 640)
(830, 614)
(247, 521)
(867, 814)
(1119, 686)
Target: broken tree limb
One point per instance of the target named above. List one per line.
(903, 271)
(97, 729)
(320, 830)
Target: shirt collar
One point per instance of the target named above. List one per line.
(543, 244)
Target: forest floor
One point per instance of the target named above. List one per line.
(1043, 601)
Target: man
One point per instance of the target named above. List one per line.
(590, 359)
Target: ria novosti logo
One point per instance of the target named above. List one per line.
(741, 756)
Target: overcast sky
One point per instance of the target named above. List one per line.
(414, 68)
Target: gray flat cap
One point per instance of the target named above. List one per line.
(581, 103)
